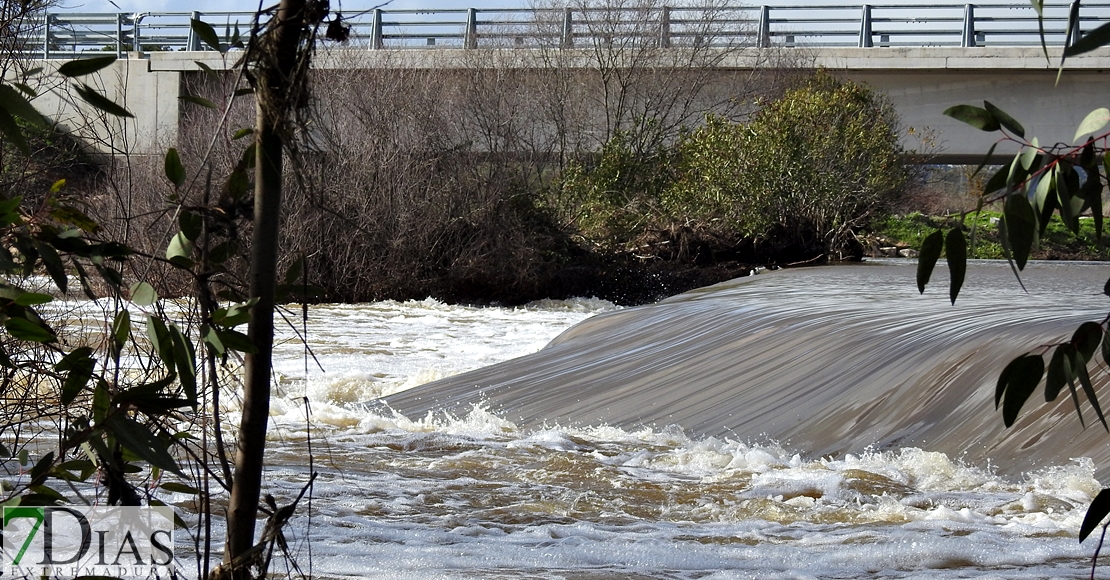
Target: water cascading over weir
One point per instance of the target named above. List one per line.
(825, 361)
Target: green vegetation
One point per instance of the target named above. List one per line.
(1057, 242)
(791, 184)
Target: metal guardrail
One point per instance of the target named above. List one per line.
(69, 35)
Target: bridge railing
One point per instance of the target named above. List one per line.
(69, 35)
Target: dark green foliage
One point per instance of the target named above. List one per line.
(808, 168)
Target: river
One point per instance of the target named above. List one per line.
(818, 423)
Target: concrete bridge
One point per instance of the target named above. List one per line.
(925, 58)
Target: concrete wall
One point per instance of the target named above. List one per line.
(151, 96)
(921, 82)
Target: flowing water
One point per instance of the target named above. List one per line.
(823, 423)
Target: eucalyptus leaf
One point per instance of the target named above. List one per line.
(1005, 119)
(1094, 121)
(1096, 512)
(1016, 383)
(143, 294)
(206, 33)
(927, 257)
(84, 66)
(1094, 39)
(175, 171)
(955, 252)
(140, 441)
(101, 102)
(974, 116)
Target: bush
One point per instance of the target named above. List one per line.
(805, 171)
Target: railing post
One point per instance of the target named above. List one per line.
(376, 30)
(135, 46)
(193, 42)
(968, 40)
(764, 39)
(865, 35)
(119, 35)
(1076, 34)
(471, 38)
(46, 36)
(665, 27)
(567, 40)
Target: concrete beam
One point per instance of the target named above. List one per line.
(921, 83)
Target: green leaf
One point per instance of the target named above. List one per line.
(234, 314)
(53, 263)
(1021, 227)
(12, 131)
(80, 365)
(242, 133)
(191, 224)
(173, 486)
(1016, 383)
(84, 66)
(927, 257)
(997, 181)
(121, 329)
(41, 469)
(974, 116)
(186, 362)
(198, 101)
(18, 106)
(955, 252)
(1044, 199)
(1086, 339)
(234, 340)
(1090, 41)
(24, 329)
(1096, 512)
(175, 171)
(180, 246)
(1056, 377)
(32, 299)
(210, 336)
(140, 441)
(1089, 390)
(101, 102)
(1005, 120)
(143, 294)
(1029, 155)
(1094, 121)
(161, 341)
(206, 33)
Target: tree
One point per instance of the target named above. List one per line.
(1042, 181)
(123, 419)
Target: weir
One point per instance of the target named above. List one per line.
(826, 361)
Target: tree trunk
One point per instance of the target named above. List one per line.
(278, 53)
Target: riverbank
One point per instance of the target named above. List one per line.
(901, 236)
